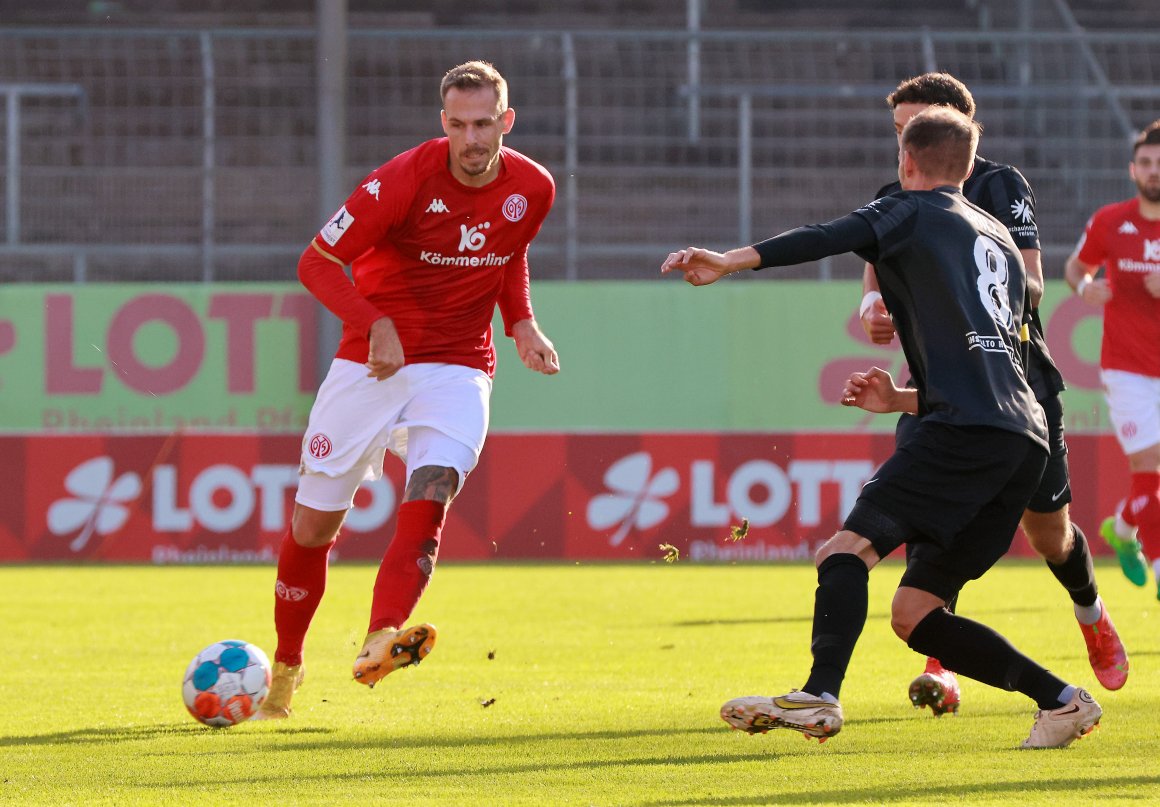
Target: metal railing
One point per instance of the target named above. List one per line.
(197, 156)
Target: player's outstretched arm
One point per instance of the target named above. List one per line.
(875, 391)
(385, 357)
(536, 350)
(704, 266)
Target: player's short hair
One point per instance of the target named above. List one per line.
(942, 141)
(473, 76)
(936, 89)
(1149, 137)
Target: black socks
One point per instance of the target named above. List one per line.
(1075, 574)
(840, 605)
(976, 651)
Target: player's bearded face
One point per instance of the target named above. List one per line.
(1146, 172)
(475, 127)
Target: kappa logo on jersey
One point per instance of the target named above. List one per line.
(1128, 228)
(514, 207)
(1022, 211)
(372, 188)
(437, 206)
(1152, 250)
(472, 237)
(336, 228)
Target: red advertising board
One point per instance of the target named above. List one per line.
(227, 498)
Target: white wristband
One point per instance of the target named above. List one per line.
(1084, 282)
(867, 301)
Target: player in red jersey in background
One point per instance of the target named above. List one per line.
(1124, 238)
(435, 238)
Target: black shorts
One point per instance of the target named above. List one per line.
(1054, 490)
(956, 493)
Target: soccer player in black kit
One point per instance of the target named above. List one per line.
(955, 490)
(1004, 193)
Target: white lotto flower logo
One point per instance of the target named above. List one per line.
(97, 506)
(636, 502)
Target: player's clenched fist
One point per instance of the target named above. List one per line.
(385, 357)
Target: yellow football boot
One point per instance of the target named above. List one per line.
(387, 650)
(284, 681)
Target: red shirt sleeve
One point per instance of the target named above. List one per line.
(1091, 249)
(325, 278)
(369, 213)
(515, 297)
(376, 206)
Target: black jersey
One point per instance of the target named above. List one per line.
(954, 281)
(1004, 193)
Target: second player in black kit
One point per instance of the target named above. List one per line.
(957, 487)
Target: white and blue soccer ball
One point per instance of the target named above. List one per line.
(226, 683)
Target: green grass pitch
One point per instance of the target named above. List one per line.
(605, 681)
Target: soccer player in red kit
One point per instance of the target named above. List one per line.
(436, 238)
(1124, 238)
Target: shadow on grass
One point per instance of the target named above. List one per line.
(376, 741)
(127, 734)
(770, 620)
(1135, 654)
(973, 613)
(435, 768)
(931, 793)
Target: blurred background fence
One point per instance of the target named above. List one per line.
(164, 145)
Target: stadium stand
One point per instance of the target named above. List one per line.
(175, 140)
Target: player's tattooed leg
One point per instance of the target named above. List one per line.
(432, 482)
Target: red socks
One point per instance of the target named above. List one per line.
(1142, 510)
(301, 581)
(403, 575)
(408, 563)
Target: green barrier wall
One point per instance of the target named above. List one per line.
(758, 354)
(655, 355)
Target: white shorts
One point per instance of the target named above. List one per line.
(425, 414)
(1134, 408)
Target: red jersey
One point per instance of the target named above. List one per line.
(1127, 245)
(434, 255)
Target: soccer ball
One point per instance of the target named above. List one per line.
(226, 683)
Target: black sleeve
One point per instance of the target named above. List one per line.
(851, 233)
(1006, 195)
